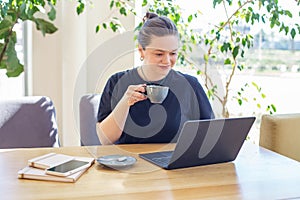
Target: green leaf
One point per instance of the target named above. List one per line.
(226, 46)
(6, 22)
(263, 19)
(218, 35)
(97, 28)
(114, 26)
(190, 18)
(256, 86)
(44, 26)
(123, 11)
(288, 13)
(1, 46)
(4, 32)
(145, 2)
(247, 17)
(177, 18)
(80, 8)
(52, 13)
(118, 4)
(104, 25)
(215, 2)
(235, 51)
(3, 65)
(13, 37)
(111, 4)
(240, 102)
(239, 3)
(244, 42)
(227, 61)
(139, 26)
(206, 41)
(18, 69)
(14, 68)
(273, 107)
(269, 7)
(281, 28)
(205, 58)
(286, 29)
(193, 39)
(293, 33)
(229, 2)
(242, 54)
(23, 14)
(30, 13)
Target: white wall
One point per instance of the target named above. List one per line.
(75, 60)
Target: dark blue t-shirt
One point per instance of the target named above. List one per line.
(156, 123)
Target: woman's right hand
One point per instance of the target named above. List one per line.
(134, 93)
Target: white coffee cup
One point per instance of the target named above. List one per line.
(157, 93)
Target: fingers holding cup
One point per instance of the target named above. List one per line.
(135, 94)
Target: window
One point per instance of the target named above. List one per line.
(273, 63)
(14, 87)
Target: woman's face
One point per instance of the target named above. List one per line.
(160, 54)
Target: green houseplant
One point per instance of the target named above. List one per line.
(11, 13)
(41, 12)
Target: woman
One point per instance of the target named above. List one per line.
(127, 116)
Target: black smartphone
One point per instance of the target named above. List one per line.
(68, 168)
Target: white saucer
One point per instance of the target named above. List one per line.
(116, 161)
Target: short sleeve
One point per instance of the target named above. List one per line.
(205, 108)
(105, 106)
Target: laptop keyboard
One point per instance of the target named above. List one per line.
(159, 158)
(162, 160)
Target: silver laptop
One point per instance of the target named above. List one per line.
(203, 142)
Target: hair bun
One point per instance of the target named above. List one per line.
(149, 15)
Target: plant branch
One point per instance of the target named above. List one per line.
(234, 65)
(195, 64)
(209, 52)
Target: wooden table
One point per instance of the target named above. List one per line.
(256, 174)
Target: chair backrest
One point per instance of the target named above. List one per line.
(28, 122)
(281, 133)
(88, 110)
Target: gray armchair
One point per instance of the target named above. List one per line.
(88, 110)
(28, 122)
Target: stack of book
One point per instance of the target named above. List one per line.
(36, 168)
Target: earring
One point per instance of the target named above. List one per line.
(141, 58)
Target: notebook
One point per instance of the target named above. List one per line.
(40, 174)
(49, 160)
(203, 142)
(36, 167)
